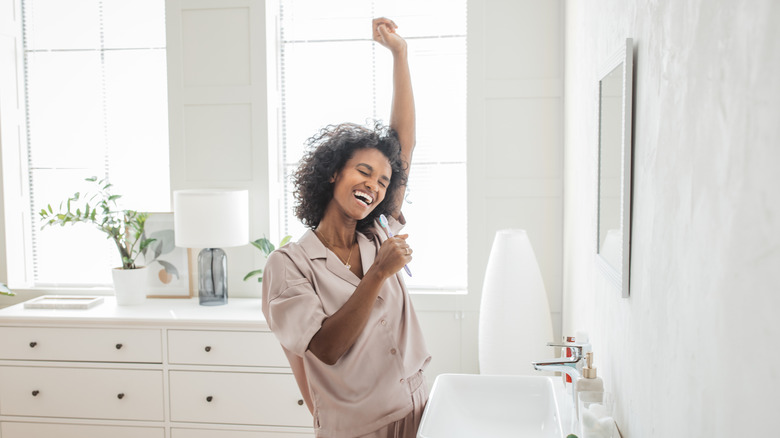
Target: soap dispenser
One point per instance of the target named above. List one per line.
(589, 381)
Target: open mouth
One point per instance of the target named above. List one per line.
(363, 198)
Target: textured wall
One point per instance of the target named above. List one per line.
(691, 352)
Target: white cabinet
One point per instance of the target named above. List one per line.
(9, 429)
(211, 433)
(124, 394)
(225, 348)
(238, 398)
(80, 344)
(164, 369)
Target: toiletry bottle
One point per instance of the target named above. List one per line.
(589, 381)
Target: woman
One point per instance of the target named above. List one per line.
(335, 299)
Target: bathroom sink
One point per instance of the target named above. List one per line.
(474, 405)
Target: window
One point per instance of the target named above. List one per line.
(331, 72)
(96, 98)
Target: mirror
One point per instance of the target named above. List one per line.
(613, 231)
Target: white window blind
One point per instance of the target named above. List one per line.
(95, 79)
(331, 72)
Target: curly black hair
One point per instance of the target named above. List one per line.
(328, 153)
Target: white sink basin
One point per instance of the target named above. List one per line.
(473, 405)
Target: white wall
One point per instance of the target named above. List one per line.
(690, 353)
(515, 172)
(515, 144)
(218, 94)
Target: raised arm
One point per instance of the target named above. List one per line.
(402, 117)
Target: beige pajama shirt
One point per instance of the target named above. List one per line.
(376, 382)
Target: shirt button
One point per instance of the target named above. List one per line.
(384, 322)
(393, 351)
(402, 380)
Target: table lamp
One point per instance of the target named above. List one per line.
(211, 219)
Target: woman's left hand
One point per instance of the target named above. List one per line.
(383, 31)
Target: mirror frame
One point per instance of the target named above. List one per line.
(619, 277)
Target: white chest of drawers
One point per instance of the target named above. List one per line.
(164, 369)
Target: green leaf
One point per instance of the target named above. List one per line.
(91, 179)
(253, 273)
(114, 197)
(144, 244)
(264, 245)
(4, 290)
(285, 240)
(50, 209)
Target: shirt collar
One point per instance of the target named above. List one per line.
(315, 249)
(312, 245)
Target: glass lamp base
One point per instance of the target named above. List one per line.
(212, 277)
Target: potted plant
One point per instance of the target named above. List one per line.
(266, 247)
(124, 227)
(4, 290)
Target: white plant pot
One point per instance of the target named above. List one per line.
(129, 286)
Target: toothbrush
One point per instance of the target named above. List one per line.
(383, 223)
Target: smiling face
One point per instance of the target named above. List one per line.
(362, 183)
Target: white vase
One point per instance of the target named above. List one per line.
(129, 286)
(514, 318)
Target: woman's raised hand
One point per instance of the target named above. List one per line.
(393, 255)
(383, 31)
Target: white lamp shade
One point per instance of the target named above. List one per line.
(514, 317)
(211, 218)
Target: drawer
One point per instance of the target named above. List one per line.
(203, 347)
(82, 393)
(46, 430)
(211, 433)
(237, 398)
(81, 344)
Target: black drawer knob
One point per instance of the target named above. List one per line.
(209, 399)
(300, 402)
(120, 396)
(208, 348)
(35, 393)
(33, 344)
(118, 346)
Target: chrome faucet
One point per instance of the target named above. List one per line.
(571, 366)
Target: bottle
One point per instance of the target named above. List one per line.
(589, 381)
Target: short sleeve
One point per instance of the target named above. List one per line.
(291, 306)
